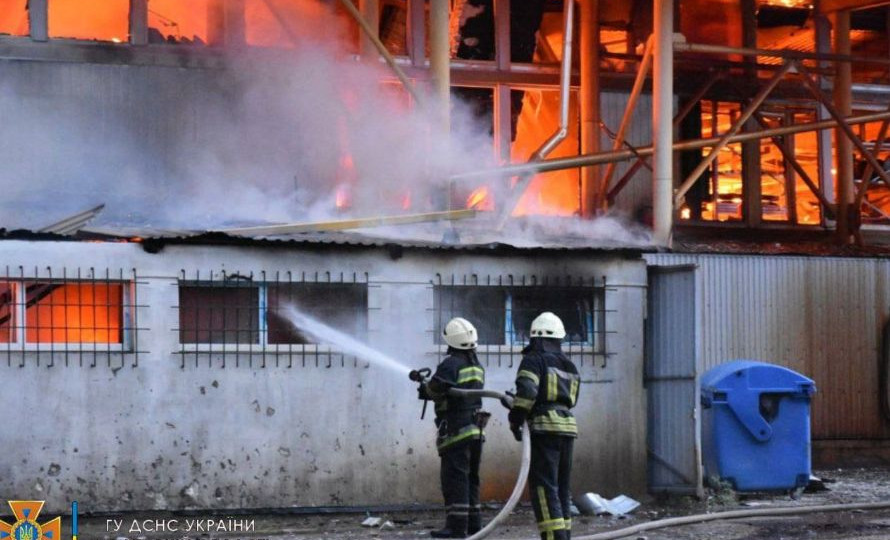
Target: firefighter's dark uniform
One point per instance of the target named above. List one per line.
(546, 390)
(459, 440)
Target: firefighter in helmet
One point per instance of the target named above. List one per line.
(460, 423)
(546, 390)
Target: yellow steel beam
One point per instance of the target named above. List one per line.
(344, 224)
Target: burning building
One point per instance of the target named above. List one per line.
(486, 160)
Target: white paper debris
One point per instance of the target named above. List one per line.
(594, 504)
(371, 522)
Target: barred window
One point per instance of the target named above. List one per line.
(59, 312)
(219, 313)
(503, 315)
(8, 322)
(342, 306)
(574, 306)
(73, 312)
(482, 306)
(84, 317)
(239, 317)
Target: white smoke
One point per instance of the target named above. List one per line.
(263, 141)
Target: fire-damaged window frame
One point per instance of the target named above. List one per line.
(266, 352)
(592, 350)
(19, 350)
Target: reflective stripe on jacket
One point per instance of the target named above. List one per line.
(547, 388)
(455, 415)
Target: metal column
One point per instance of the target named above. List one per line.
(37, 19)
(662, 124)
(138, 22)
(843, 96)
(440, 60)
(592, 198)
(823, 138)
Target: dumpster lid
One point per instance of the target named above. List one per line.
(760, 377)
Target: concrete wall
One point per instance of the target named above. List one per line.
(158, 435)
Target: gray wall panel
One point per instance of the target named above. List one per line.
(819, 316)
(671, 381)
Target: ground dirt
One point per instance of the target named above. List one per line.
(844, 486)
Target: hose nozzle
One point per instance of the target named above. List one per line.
(419, 375)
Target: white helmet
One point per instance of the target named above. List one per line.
(460, 334)
(548, 325)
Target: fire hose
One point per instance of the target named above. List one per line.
(732, 514)
(421, 376)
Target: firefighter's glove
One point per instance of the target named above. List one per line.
(439, 386)
(516, 419)
(423, 392)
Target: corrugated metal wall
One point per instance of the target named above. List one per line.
(672, 381)
(638, 192)
(822, 317)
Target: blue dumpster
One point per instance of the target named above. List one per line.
(756, 425)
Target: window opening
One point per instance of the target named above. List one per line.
(342, 306)
(219, 313)
(557, 192)
(241, 318)
(88, 318)
(73, 312)
(502, 316)
(108, 20)
(178, 21)
(14, 17)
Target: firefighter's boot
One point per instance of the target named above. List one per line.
(474, 524)
(562, 534)
(455, 527)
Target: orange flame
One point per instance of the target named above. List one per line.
(72, 313)
(104, 21)
(480, 199)
(175, 20)
(342, 198)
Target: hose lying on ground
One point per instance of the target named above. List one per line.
(733, 514)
